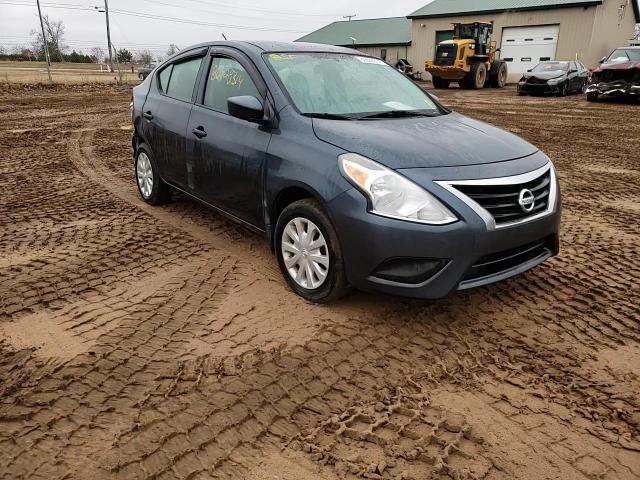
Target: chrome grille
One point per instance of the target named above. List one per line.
(502, 201)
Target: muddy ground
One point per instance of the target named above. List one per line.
(158, 343)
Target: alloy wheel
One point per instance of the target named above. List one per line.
(144, 174)
(305, 253)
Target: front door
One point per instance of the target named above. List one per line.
(226, 154)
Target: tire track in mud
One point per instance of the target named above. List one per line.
(205, 366)
(81, 153)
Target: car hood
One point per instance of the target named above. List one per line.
(443, 141)
(618, 66)
(544, 75)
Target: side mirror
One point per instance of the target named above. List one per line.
(529, 69)
(246, 107)
(603, 59)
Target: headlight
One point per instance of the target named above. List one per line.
(392, 195)
(555, 81)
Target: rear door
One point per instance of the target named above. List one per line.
(166, 115)
(226, 154)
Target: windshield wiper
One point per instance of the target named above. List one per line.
(399, 114)
(329, 116)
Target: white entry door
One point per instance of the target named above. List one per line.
(524, 47)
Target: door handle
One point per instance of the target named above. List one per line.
(199, 132)
(148, 115)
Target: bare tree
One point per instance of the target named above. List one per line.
(3, 51)
(97, 54)
(172, 50)
(54, 33)
(145, 57)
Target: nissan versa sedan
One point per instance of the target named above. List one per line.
(355, 175)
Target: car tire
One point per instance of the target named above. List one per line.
(309, 218)
(439, 82)
(141, 76)
(592, 96)
(563, 89)
(151, 187)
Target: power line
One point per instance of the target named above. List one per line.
(237, 7)
(198, 22)
(164, 18)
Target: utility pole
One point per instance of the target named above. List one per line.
(106, 14)
(349, 17)
(46, 45)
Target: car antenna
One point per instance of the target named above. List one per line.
(224, 36)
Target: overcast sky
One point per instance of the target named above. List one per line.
(242, 19)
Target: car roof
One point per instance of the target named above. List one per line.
(271, 46)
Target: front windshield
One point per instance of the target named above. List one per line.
(551, 67)
(622, 55)
(347, 85)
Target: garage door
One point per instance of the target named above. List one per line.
(524, 47)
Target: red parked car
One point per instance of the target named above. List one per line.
(618, 75)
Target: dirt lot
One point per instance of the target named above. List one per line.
(140, 342)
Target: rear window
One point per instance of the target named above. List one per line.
(178, 80)
(164, 77)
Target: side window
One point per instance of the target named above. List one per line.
(164, 77)
(572, 66)
(183, 79)
(227, 78)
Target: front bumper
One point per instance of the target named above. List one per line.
(539, 88)
(466, 247)
(615, 88)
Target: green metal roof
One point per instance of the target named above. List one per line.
(446, 8)
(375, 31)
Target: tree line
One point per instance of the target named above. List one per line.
(59, 50)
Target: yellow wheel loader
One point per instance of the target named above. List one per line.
(471, 59)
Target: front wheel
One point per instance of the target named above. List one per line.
(439, 82)
(476, 78)
(309, 253)
(592, 96)
(562, 90)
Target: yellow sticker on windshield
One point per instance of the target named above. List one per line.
(278, 57)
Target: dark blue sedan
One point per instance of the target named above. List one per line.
(355, 175)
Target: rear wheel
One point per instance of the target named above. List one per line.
(150, 186)
(592, 96)
(476, 78)
(309, 253)
(498, 76)
(439, 82)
